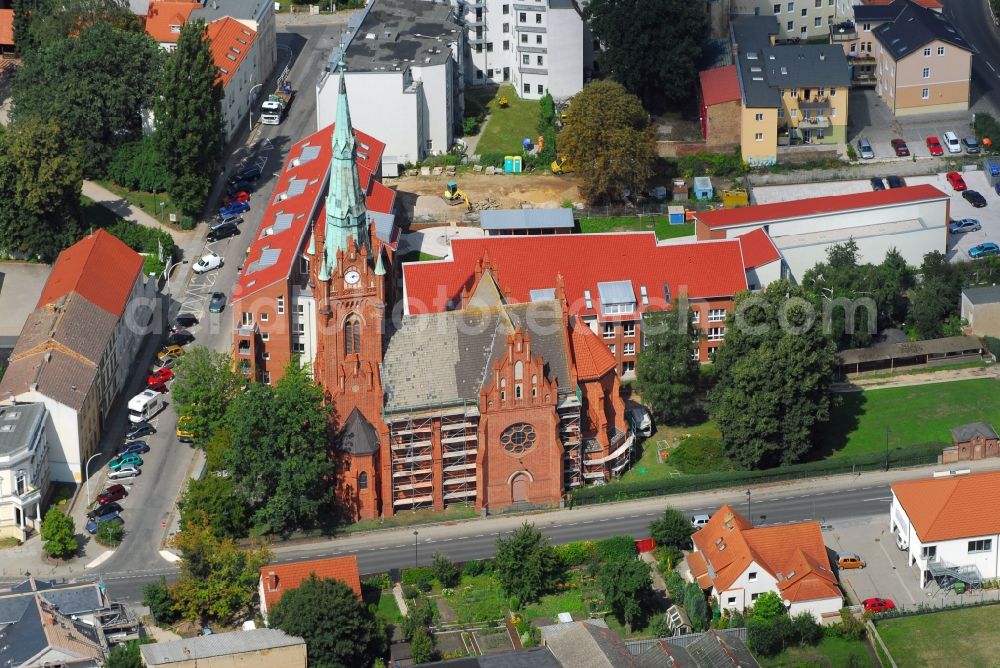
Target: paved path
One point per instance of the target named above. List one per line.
(909, 379)
(121, 207)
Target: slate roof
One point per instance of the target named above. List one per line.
(18, 426)
(886, 11)
(358, 436)
(215, 645)
(916, 26)
(989, 294)
(714, 649)
(587, 644)
(752, 36)
(967, 432)
(951, 508)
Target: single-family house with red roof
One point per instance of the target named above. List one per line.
(278, 579)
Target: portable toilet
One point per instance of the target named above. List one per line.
(512, 164)
(675, 214)
(702, 188)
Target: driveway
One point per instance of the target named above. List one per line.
(869, 117)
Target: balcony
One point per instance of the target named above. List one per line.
(814, 123)
(843, 32)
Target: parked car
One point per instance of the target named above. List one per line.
(895, 181)
(112, 493)
(956, 181)
(139, 430)
(160, 387)
(899, 146)
(251, 173)
(974, 198)
(901, 542)
(235, 219)
(698, 521)
(963, 225)
(207, 262)
(878, 604)
(971, 144)
(243, 185)
(238, 196)
(172, 350)
(848, 560)
(181, 337)
(134, 448)
(160, 376)
(223, 231)
(94, 524)
(934, 146)
(218, 303)
(105, 509)
(184, 320)
(130, 459)
(233, 208)
(951, 141)
(984, 249)
(125, 473)
(167, 362)
(877, 183)
(865, 149)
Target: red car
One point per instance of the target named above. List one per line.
(161, 375)
(239, 196)
(956, 181)
(112, 493)
(160, 387)
(899, 146)
(934, 146)
(878, 604)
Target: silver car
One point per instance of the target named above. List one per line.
(865, 149)
(124, 473)
(964, 225)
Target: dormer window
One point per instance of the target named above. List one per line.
(175, 29)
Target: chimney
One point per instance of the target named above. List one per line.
(272, 581)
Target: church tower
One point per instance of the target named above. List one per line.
(350, 275)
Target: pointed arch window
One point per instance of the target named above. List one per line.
(363, 480)
(352, 335)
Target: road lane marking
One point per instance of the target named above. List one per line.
(881, 498)
(990, 65)
(101, 559)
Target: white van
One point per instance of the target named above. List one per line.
(952, 142)
(699, 521)
(641, 421)
(144, 405)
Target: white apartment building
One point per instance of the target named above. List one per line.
(234, 49)
(404, 77)
(24, 467)
(536, 45)
(797, 19)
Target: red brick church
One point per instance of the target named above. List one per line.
(489, 403)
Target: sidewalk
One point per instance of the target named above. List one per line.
(121, 207)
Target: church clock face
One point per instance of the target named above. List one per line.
(352, 277)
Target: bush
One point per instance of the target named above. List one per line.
(616, 548)
(156, 596)
(700, 453)
(110, 533)
(380, 582)
(986, 126)
(138, 165)
(695, 606)
(849, 627)
(422, 646)
(492, 159)
(806, 630)
(410, 591)
(660, 628)
(546, 114)
(474, 568)
(667, 558)
(147, 241)
(764, 638)
(852, 155)
(59, 534)
(712, 164)
(445, 572)
(421, 616)
(420, 577)
(576, 553)
(675, 587)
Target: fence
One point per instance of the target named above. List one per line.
(917, 455)
(978, 600)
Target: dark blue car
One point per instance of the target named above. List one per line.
(135, 447)
(94, 524)
(233, 208)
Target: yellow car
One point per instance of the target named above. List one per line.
(183, 435)
(170, 351)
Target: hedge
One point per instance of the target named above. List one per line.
(145, 240)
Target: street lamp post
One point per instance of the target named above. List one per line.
(749, 516)
(415, 555)
(250, 102)
(86, 472)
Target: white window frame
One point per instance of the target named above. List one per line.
(716, 333)
(609, 330)
(629, 349)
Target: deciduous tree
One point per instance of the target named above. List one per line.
(445, 571)
(672, 529)
(58, 534)
(768, 606)
(652, 47)
(189, 130)
(608, 140)
(125, 655)
(526, 564)
(215, 496)
(667, 374)
(338, 628)
(627, 587)
(204, 386)
(773, 378)
(156, 596)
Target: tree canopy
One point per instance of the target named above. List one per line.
(936, 299)
(204, 385)
(667, 375)
(652, 47)
(672, 529)
(58, 534)
(189, 130)
(608, 139)
(97, 85)
(338, 628)
(773, 378)
(627, 587)
(527, 566)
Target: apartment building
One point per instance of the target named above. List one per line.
(923, 64)
(25, 430)
(536, 45)
(796, 19)
(234, 49)
(791, 94)
(258, 16)
(405, 75)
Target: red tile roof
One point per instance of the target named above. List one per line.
(720, 84)
(592, 357)
(165, 13)
(6, 27)
(231, 41)
(280, 578)
(525, 263)
(100, 268)
(817, 206)
(951, 508)
(287, 221)
(758, 249)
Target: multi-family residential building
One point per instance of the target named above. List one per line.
(946, 532)
(234, 49)
(25, 431)
(75, 350)
(738, 562)
(536, 45)
(923, 64)
(258, 15)
(164, 19)
(791, 94)
(404, 64)
(796, 19)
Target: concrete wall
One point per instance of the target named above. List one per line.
(565, 57)
(436, 102)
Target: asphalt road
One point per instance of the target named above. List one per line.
(972, 18)
(380, 552)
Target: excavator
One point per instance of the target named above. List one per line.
(561, 165)
(453, 196)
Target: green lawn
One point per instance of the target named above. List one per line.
(148, 202)
(830, 653)
(648, 467)
(411, 518)
(912, 415)
(966, 637)
(418, 256)
(507, 127)
(385, 607)
(658, 224)
(478, 599)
